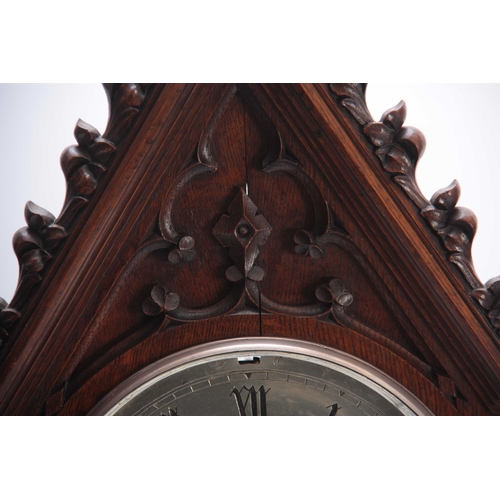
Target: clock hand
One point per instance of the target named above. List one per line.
(335, 408)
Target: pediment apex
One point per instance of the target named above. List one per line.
(333, 229)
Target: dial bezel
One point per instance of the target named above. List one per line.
(365, 373)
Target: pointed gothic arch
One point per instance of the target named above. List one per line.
(218, 211)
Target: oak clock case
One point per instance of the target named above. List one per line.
(260, 377)
(207, 212)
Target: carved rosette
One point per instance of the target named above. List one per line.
(399, 149)
(243, 231)
(82, 165)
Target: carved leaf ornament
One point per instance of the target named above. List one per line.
(399, 149)
(200, 248)
(243, 230)
(489, 297)
(334, 292)
(82, 165)
(161, 300)
(306, 244)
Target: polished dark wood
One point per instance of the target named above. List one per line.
(399, 149)
(247, 210)
(83, 166)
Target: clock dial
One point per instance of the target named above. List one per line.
(261, 377)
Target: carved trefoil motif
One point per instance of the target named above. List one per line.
(243, 230)
(240, 235)
(290, 255)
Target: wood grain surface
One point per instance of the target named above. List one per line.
(231, 210)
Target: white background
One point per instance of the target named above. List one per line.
(262, 40)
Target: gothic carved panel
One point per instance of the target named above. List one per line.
(238, 241)
(246, 210)
(399, 149)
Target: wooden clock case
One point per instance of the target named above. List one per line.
(216, 211)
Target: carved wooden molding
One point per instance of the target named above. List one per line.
(83, 165)
(399, 149)
(244, 248)
(146, 277)
(242, 230)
